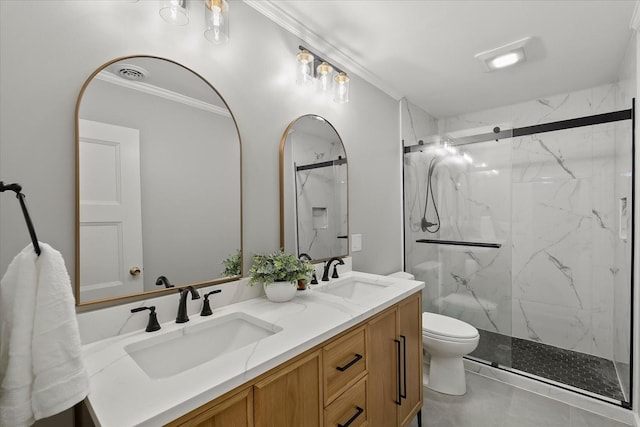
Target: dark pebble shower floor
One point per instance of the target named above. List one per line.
(584, 371)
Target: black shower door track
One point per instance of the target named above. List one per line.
(498, 134)
(596, 119)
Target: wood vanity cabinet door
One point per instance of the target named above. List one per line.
(290, 397)
(235, 411)
(383, 370)
(410, 324)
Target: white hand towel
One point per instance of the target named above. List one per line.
(41, 368)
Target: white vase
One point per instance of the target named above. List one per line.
(280, 291)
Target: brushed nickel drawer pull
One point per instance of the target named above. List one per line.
(348, 365)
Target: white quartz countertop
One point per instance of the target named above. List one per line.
(122, 394)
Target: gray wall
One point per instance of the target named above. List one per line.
(49, 48)
(45, 61)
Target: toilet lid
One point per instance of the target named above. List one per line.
(447, 326)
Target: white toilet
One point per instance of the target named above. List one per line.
(446, 340)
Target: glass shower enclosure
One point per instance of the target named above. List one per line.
(526, 234)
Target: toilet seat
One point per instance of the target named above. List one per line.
(447, 328)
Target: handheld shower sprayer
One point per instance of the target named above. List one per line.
(425, 224)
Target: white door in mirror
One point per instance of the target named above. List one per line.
(110, 211)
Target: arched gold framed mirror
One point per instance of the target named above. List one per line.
(314, 208)
(158, 182)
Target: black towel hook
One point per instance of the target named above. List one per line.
(17, 188)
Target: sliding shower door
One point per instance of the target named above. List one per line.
(529, 239)
(458, 235)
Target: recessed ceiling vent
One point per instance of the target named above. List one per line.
(132, 72)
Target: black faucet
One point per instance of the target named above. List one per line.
(182, 306)
(314, 279)
(325, 275)
(163, 281)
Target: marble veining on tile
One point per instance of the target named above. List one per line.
(551, 280)
(558, 204)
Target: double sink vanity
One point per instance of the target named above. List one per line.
(257, 363)
(347, 352)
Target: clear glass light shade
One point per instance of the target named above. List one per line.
(304, 68)
(174, 11)
(216, 20)
(341, 88)
(324, 73)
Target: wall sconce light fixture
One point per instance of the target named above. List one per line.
(174, 11)
(216, 18)
(324, 71)
(312, 69)
(304, 70)
(341, 88)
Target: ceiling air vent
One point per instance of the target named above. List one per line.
(132, 72)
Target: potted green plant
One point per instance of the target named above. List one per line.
(279, 273)
(233, 265)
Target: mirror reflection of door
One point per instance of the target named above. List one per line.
(110, 212)
(188, 180)
(314, 217)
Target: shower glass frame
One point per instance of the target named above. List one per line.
(466, 259)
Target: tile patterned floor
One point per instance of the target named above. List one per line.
(580, 370)
(490, 403)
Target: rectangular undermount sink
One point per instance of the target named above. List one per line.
(353, 287)
(169, 354)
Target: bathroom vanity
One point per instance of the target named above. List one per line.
(345, 353)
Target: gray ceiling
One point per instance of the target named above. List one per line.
(424, 49)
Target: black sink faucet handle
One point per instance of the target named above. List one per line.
(206, 307)
(153, 324)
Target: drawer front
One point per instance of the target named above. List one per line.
(344, 363)
(350, 408)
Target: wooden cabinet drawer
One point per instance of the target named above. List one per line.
(344, 363)
(350, 408)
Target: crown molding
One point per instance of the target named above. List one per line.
(162, 93)
(317, 43)
(635, 19)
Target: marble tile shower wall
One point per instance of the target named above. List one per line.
(463, 282)
(551, 200)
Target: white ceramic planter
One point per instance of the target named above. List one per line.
(280, 291)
